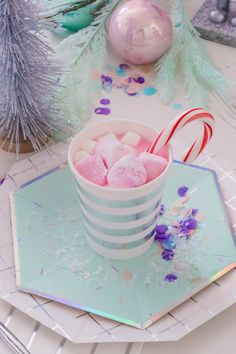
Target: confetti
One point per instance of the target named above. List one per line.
(102, 110)
(169, 243)
(139, 80)
(170, 278)
(123, 77)
(182, 191)
(177, 105)
(167, 255)
(124, 66)
(149, 91)
(161, 229)
(105, 101)
(161, 237)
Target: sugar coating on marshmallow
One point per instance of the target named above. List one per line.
(142, 146)
(80, 155)
(128, 172)
(112, 150)
(108, 137)
(89, 146)
(131, 138)
(93, 169)
(154, 164)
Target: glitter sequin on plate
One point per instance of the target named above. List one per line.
(180, 227)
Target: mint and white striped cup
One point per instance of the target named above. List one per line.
(120, 223)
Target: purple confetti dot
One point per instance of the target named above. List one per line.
(194, 212)
(162, 210)
(161, 229)
(161, 237)
(131, 93)
(106, 78)
(102, 110)
(170, 278)
(124, 66)
(139, 80)
(105, 101)
(182, 191)
(167, 255)
(184, 231)
(190, 224)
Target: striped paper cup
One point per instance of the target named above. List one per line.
(120, 223)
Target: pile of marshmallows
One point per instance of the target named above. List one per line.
(119, 161)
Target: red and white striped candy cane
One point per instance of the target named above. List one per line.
(195, 114)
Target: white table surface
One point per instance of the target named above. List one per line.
(218, 334)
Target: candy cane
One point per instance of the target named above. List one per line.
(195, 114)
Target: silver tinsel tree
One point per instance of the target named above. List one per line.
(28, 77)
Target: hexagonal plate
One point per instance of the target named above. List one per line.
(223, 33)
(54, 260)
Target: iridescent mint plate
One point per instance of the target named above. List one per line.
(53, 258)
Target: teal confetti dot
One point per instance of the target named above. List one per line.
(149, 91)
(121, 72)
(178, 25)
(177, 105)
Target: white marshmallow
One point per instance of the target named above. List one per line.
(89, 146)
(131, 138)
(80, 155)
(108, 137)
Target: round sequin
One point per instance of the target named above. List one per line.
(124, 66)
(161, 237)
(139, 80)
(170, 278)
(161, 229)
(130, 91)
(169, 243)
(120, 72)
(167, 255)
(162, 210)
(149, 91)
(177, 105)
(106, 82)
(105, 101)
(194, 212)
(106, 78)
(190, 224)
(102, 110)
(182, 191)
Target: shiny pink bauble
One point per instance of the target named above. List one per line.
(139, 31)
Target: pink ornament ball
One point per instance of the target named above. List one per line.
(139, 31)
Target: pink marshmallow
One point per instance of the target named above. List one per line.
(164, 152)
(128, 172)
(112, 150)
(154, 164)
(142, 146)
(93, 169)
